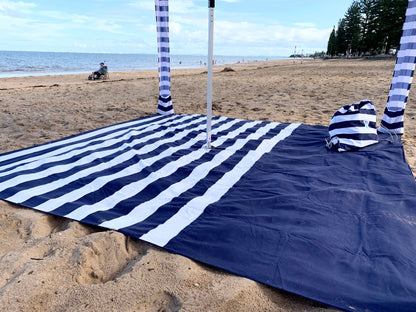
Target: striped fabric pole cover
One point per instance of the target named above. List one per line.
(393, 117)
(162, 20)
(211, 6)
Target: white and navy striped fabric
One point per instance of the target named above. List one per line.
(119, 176)
(270, 202)
(165, 106)
(393, 117)
(353, 126)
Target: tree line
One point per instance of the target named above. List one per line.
(369, 27)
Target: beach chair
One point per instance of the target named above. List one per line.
(106, 74)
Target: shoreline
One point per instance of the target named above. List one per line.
(80, 78)
(25, 63)
(71, 78)
(177, 69)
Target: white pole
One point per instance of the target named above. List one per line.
(211, 5)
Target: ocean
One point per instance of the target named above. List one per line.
(22, 63)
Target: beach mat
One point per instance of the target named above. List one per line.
(269, 202)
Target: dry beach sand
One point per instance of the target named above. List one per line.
(49, 263)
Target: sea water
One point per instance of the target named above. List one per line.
(23, 63)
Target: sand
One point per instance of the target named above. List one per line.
(49, 263)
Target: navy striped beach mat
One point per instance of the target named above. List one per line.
(270, 202)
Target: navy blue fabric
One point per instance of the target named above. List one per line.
(335, 227)
(338, 228)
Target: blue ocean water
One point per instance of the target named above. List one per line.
(22, 63)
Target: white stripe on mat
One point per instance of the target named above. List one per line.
(24, 195)
(106, 141)
(79, 137)
(99, 182)
(134, 188)
(163, 233)
(35, 161)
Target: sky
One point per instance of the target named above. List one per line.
(241, 27)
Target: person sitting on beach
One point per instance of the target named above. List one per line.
(100, 72)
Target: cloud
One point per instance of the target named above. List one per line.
(175, 6)
(175, 28)
(73, 21)
(106, 26)
(144, 5)
(235, 38)
(131, 28)
(25, 27)
(63, 16)
(251, 35)
(80, 45)
(183, 6)
(9, 8)
(305, 25)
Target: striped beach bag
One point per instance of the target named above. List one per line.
(353, 126)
